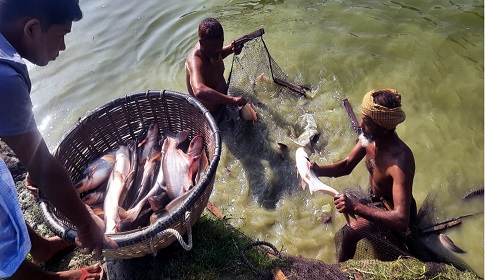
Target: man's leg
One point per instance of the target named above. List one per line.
(29, 270)
(43, 249)
(351, 234)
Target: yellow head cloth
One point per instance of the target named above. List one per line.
(383, 116)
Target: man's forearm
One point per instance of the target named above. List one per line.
(226, 51)
(389, 219)
(57, 188)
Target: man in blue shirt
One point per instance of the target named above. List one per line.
(35, 30)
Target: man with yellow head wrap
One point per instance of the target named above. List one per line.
(391, 168)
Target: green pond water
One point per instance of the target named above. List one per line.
(430, 51)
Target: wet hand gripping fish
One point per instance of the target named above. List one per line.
(310, 179)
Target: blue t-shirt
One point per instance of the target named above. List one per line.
(16, 115)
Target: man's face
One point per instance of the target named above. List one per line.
(211, 48)
(370, 130)
(47, 45)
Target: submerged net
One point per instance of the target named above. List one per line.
(380, 243)
(254, 64)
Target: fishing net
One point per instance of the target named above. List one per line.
(380, 243)
(254, 64)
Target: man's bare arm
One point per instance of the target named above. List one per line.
(54, 183)
(342, 167)
(205, 93)
(396, 219)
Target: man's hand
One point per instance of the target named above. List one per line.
(236, 49)
(239, 101)
(344, 204)
(31, 187)
(91, 238)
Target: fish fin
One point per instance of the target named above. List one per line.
(123, 214)
(156, 156)
(79, 184)
(303, 184)
(142, 142)
(109, 158)
(448, 243)
(181, 136)
(153, 204)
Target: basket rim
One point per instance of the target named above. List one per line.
(132, 237)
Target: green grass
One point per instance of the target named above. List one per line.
(403, 269)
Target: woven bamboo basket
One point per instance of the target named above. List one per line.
(109, 126)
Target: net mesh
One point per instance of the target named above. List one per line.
(382, 244)
(255, 63)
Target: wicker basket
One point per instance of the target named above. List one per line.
(107, 127)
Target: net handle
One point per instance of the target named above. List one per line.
(248, 37)
(351, 114)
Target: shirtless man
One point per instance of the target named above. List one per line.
(35, 30)
(391, 171)
(204, 68)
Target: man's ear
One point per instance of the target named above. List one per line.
(32, 28)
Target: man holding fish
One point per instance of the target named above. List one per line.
(391, 167)
(204, 68)
(35, 30)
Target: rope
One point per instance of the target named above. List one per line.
(187, 246)
(254, 244)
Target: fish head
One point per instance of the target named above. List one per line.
(302, 165)
(195, 146)
(248, 113)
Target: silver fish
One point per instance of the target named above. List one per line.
(310, 134)
(115, 187)
(170, 207)
(310, 179)
(195, 150)
(176, 165)
(96, 173)
(148, 175)
(203, 167)
(149, 141)
(96, 195)
(145, 191)
(448, 243)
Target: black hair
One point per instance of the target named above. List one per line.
(387, 98)
(48, 12)
(210, 28)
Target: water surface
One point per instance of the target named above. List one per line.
(431, 51)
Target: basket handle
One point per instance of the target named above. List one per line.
(187, 246)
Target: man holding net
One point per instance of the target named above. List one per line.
(204, 68)
(391, 168)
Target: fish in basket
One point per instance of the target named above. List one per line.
(145, 164)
